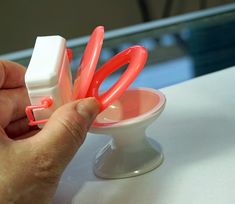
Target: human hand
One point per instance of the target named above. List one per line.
(32, 160)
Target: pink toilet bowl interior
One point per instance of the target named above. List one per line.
(132, 104)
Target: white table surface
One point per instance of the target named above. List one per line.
(197, 134)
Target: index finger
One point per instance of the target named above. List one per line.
(11, 75)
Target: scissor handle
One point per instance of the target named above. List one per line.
(135, 56)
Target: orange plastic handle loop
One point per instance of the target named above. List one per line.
(45, 103)
(136, 56)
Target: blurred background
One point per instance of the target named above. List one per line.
(184, 38)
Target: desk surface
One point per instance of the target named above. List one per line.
(197, 134)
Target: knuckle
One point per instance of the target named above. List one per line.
(75, 127)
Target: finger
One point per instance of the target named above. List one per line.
(3, 138)
(12, 105)
(66, 130)
(18, 128)
(28, 134)
(11, 75)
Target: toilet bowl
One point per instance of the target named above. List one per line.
(129, 152)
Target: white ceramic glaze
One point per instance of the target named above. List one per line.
(130, 152)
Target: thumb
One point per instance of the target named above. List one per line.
(66, 129)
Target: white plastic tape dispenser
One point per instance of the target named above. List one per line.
(48, 78)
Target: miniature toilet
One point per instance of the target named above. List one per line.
(129, 152)
(124, 114)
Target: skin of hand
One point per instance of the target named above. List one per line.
(32, 160)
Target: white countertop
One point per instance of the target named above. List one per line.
(197, 134)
